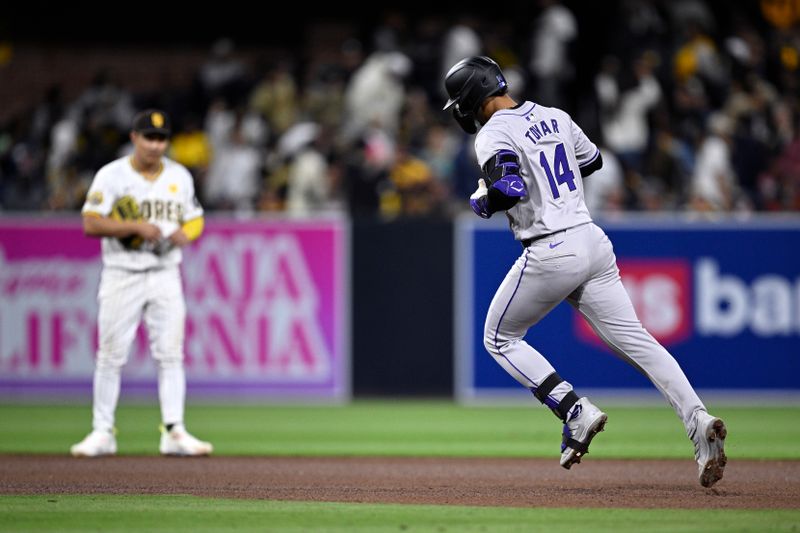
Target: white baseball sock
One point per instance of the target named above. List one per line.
(171, 391)
(106, 395)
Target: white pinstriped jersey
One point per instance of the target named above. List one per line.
(551, 150)
(167, 201)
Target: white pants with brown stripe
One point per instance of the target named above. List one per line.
(124, 298)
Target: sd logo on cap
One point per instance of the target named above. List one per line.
(152, 121)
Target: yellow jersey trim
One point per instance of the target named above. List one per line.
(152, 177)
(193, 228)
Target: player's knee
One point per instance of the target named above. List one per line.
(168, 366)
(166, 359)
(493, 337)
(497, 343)
(111, 357)
(492, 344)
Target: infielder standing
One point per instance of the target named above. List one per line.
(533, 160)
(144, 208)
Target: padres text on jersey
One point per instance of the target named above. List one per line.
(168, 201)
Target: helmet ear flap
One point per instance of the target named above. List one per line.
(465, 120)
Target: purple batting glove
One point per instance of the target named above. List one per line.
(479, 200)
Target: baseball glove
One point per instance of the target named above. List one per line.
(126, 208)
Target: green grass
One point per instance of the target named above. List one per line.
(402, 428)
(184, 513)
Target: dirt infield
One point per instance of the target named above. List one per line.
(483, 482)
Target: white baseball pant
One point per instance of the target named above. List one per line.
(124, 296)
(578, 265)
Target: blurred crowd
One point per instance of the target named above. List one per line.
(692, 113)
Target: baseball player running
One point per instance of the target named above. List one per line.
(144, 208)
(533, 160)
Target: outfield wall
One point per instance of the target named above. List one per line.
(722, 296)
(267, 310)
(319, 309)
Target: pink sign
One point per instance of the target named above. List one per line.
(266, 300)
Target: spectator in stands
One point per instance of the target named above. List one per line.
(220, 121)
(223, 74)
(439, 153)
(553, 31)
(99, 141)
(714, 184)
(47, 113)
(323, 101)
(667, 167)
(425, 52)
(376, 95)
(63, 145)
(191, 147)
(653, 109)
(460, 41)
(604, 191)
(624, 107)
(366, 170)
(275, 97)
(416, 118)
(234, 177)
(106, 104)
(783, 14)
(309, 187)
(414, 190)
(22, 169)
(779, 185)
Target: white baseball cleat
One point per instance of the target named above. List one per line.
(709, 443)
(586, 422)
(96, 444)
(180, 442)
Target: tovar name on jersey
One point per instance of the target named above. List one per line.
(537, 131)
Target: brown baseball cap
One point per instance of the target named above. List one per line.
(152, 121)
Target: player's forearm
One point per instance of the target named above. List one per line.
(99, 226)
(497, 201)
(506, 186)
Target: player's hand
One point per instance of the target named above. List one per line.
(179, 238)
(148, 232)
(478, 200)
(482, 190)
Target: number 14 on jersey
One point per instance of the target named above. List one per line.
(563, 174)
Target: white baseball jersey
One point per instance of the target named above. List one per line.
(551, 150)
(167, 201)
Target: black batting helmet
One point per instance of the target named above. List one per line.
(468, 83)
